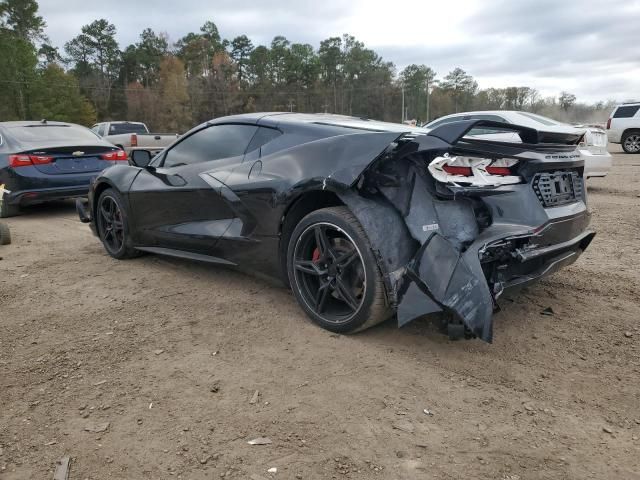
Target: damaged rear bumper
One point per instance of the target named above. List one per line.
(468, 284)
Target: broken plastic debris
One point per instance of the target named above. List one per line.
(260, 441)
(272, 470)
(547, 311)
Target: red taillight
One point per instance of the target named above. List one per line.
(505, 171)
(26, 160)
(116, 155)
(609, 124)
(452, 170)
(19, 161)
(134, 140)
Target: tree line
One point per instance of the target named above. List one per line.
(172, 86)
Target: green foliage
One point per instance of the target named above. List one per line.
(57, 96)
(20, 16)
(416, 79)
(241, 48)
(96, 60)
(18, 25)
(462, 88)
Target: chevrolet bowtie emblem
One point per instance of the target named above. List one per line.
(77, 154)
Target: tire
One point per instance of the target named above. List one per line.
(631, 141)
(7, 210)
(333, 272)
(113, 226)
(5, 234)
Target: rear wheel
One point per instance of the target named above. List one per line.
(5, 234)
(333, 273)
(113, 227)
(631, 141)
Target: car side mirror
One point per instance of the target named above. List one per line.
(140, 158)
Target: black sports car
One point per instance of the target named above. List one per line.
(362, 219)
(42, 161)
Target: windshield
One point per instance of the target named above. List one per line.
(540, 119)
(52, 133)
(120, 128)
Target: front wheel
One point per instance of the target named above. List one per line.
(112, 225)
(631, 142)
(333, 273)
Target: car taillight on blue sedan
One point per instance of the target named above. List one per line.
(116, 155)
(26, 160)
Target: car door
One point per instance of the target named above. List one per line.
(173, 206)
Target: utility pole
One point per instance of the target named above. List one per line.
(430, 85)
(291, 105)
(428, 98)
(402, 121)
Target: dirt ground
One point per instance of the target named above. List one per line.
(166, 356)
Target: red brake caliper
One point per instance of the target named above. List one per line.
(316, 255)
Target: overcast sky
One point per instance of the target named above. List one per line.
(589, 47)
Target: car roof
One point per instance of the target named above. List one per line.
(345, 121)
(120, 122)
(30, 123)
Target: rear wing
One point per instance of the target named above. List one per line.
(454, 132)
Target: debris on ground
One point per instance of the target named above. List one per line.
(158, 351)
(254, 397)
(260, 441)
(547, 311)
(404, 426)
(272, 470)
(62, 469)
(97, 428)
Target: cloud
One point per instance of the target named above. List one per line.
(588, 47)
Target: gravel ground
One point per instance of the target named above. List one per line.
(166, 357)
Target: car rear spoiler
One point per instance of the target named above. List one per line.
(454, 132)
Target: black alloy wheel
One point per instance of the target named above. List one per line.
(111, 225)
(111, 221)
(330, 272)
(333, 273)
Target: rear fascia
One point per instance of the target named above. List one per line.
(467, 244)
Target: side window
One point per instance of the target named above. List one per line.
(626, 111)
(445, 120)
(212, 143)
(485, 130)
(102, 129)
(263, 136)
(94, 129)
(493, 118)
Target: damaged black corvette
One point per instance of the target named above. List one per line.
(362, 219)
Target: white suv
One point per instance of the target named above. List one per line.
(623, 126)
